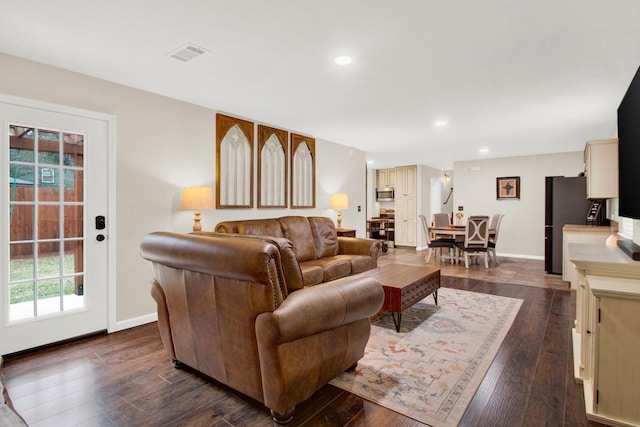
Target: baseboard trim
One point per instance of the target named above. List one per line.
(420, 248)
(521, 256)
(136, 321)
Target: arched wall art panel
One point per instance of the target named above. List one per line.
(272, 167)
(234, 162)
(303, 171)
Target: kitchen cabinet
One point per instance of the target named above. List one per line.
(578, 233)
(406, 193)
(606, 342)
(616, 345)
(385, 178)
(406, 181)
(601, 168)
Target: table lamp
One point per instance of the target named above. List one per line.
(339, 202)
(196, 198)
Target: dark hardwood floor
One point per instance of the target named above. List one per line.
(125, 378)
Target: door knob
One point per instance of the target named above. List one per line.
(100, 237)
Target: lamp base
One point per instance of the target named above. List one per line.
(196, 221)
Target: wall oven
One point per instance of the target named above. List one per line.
(384, 194)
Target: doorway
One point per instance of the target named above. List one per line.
(56, 210)
(436, 196)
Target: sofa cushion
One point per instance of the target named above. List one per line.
(332, 267)
(325, 237)
(311, 274)
(359, 263)
(262, 227)
(298, 230)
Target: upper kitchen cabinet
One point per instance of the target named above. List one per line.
(386, 178)
(406, 181)
(601, 168)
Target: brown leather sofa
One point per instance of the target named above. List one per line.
(8, 415)
(225, 308)
(321, 254)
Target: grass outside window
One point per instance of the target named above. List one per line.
(22, 269)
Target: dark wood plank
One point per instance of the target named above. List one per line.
(125, 378)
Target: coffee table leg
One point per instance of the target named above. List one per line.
(435, 296)
(397, 321)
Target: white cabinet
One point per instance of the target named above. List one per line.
(601, 168)
(405, 222)
(580, 234)
(406, 181)
(606, 338)
(615, 381)
(385, 178)
(406, 205)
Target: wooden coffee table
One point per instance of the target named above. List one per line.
(405, 285)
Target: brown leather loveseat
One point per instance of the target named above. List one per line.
(8, 415)
(321, 254)
(225, 308)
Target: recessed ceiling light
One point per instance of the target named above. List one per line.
(483, 150)
(440, 123)
(343, 60)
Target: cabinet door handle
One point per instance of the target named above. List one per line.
(588, 331)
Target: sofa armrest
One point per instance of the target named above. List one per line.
(319, 308)
(316, 333)
(359, 246)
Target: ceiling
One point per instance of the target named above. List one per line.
(513, 77)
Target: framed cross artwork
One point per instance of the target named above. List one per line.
(508, 188)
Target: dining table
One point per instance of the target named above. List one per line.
(455, 230)
(452, 229)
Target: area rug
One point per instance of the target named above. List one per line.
(431, 369)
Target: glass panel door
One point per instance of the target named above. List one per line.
(54, 254)
(45, 222)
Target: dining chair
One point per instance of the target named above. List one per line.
(476, 239)
(442, 220)
(439, 243)
(493, 223)
(496, 220)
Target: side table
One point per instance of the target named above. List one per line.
(346, 232)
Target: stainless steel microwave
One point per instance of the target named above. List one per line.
(385, 194)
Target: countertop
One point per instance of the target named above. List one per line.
(613, 228)
(603, 260)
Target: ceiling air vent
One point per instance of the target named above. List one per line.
(187, 52)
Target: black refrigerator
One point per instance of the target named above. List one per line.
(565, 203)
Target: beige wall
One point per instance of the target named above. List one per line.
(162, 145)
(522, 229)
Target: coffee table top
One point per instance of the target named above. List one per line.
(399, 275)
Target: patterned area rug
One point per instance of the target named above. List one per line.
(433, 367)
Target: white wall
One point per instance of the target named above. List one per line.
(522, 229)
(425, 174)
(163, 145)
(446, 190)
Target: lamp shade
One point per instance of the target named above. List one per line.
(195, 198)
(339, 201)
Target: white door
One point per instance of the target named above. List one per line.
(55, 227)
